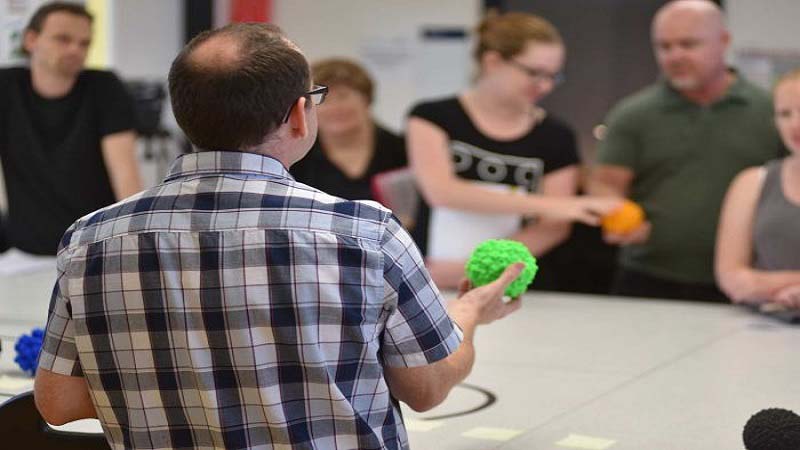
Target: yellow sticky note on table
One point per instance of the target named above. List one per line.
(421, 425)
(493, 434)
(585, 442)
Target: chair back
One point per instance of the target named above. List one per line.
(23, 426)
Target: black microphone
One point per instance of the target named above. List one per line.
(772, 429)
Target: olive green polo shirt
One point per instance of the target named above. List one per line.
(684, 156)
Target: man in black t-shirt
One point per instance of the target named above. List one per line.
(67, 140)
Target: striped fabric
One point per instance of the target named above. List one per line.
(233, 307)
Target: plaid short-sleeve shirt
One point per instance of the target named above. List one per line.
(233, 307)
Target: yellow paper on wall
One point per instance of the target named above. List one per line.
(98, 52)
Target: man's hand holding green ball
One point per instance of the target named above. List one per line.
(490, 259)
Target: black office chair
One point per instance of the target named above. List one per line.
(3, 239)
(22, 426)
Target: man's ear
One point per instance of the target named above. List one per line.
(298, 119)
(28, 40)
(726, 38)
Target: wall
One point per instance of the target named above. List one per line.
(386, 32)
(14, 16)
(145, 36)
(609, 56)
(770, 24)
(765, 43)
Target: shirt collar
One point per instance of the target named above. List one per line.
(736, 93)
(230, 162)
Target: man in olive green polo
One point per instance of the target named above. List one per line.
(674, 147)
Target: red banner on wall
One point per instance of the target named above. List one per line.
(251, 10)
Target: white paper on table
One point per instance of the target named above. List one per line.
(453, 234)
(15, 384)
(17, 262)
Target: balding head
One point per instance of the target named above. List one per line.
(703, 11)
(221, 52)
(230, 88)
(690, 40)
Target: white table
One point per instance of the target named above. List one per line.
(24, 300)
(646, 374)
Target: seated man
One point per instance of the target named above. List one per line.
(233, 307)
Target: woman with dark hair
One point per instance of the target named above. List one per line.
(350, 148)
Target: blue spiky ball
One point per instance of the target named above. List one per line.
(490, 258)
(27, 347)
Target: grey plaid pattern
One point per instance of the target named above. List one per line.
(232, 307)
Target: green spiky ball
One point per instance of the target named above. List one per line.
(490, 258)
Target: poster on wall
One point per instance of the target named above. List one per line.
(430, 63)
(14, 16)
(389, 60)
(764, 66)
(444, 63)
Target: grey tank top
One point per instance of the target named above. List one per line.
(776, 229)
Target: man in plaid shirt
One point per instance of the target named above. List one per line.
(233, 307)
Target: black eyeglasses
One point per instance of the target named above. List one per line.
(538, 75)
(317, 95)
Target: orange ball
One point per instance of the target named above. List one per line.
(624, 219)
